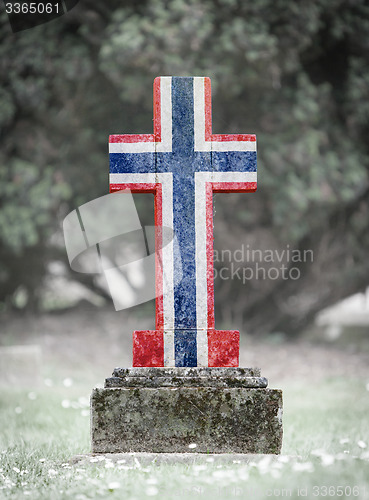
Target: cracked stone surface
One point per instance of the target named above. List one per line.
(169, 419)
(186, 377)
(252, 382)
(186, 372)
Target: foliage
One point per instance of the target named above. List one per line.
(296, 74)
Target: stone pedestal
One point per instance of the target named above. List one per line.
(165, 410)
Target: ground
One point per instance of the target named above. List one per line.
(88, 342)
(326, 435)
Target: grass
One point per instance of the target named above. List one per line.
(325, 451)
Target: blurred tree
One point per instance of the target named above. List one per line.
(296, 74)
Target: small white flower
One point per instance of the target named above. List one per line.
(152, 491)
(210, 459)
(192, 446)
(243, 475)
(344, 440)
(199, 467)
(48, 382)
(121, 461)
(32, 396)
(26, 492)
(218, 473)
(85, 413)
(15, 469)
(264, 464)
(275, 473)
(65, 403)
(52, 472)
(109, 465)
(18, 410)
(114, 485)
(152, 480)
(67, 382)
(42, 460)
(83, 401)
(318, 453)
(94, 459)
(327, 460)
(303, 467)
(361, 444)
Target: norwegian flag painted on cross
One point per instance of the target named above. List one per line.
(182, 163)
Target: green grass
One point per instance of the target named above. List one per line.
(323, 424)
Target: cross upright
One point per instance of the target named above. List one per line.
(183, 164)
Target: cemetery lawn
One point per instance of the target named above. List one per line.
(326, 421)
(325, 451)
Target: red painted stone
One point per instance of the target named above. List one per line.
(148, 348)
(223, 347)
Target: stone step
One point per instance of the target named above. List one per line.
(188, 381)
(186, 372)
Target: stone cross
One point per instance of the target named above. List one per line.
(182, 163)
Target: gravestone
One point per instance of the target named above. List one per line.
(185, 387)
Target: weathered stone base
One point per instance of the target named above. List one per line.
(218, 415)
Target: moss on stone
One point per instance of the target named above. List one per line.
(218, 420)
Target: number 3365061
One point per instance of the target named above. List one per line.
(32, 8)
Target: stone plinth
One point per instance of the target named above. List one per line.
(164, 410)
